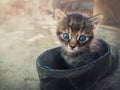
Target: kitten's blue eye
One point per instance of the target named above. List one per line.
(82, 38)
(66, 36)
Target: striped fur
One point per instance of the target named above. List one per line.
(76, 25)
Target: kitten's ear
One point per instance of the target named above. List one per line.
(97, 19)
(59, 15)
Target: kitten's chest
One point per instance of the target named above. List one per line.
(75, 61)
(79, 60)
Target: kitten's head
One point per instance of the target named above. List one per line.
(75, 31)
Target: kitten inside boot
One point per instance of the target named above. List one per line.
(76, 34)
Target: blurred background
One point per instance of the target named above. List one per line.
(27, 28)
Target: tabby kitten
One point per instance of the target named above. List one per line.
(76, 34)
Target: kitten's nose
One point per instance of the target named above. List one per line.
(73, 43)
(72, 46)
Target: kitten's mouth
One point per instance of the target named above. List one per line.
(72, 50)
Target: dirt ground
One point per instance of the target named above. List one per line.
(22, 39)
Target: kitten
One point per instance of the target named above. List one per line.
(76, 34)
